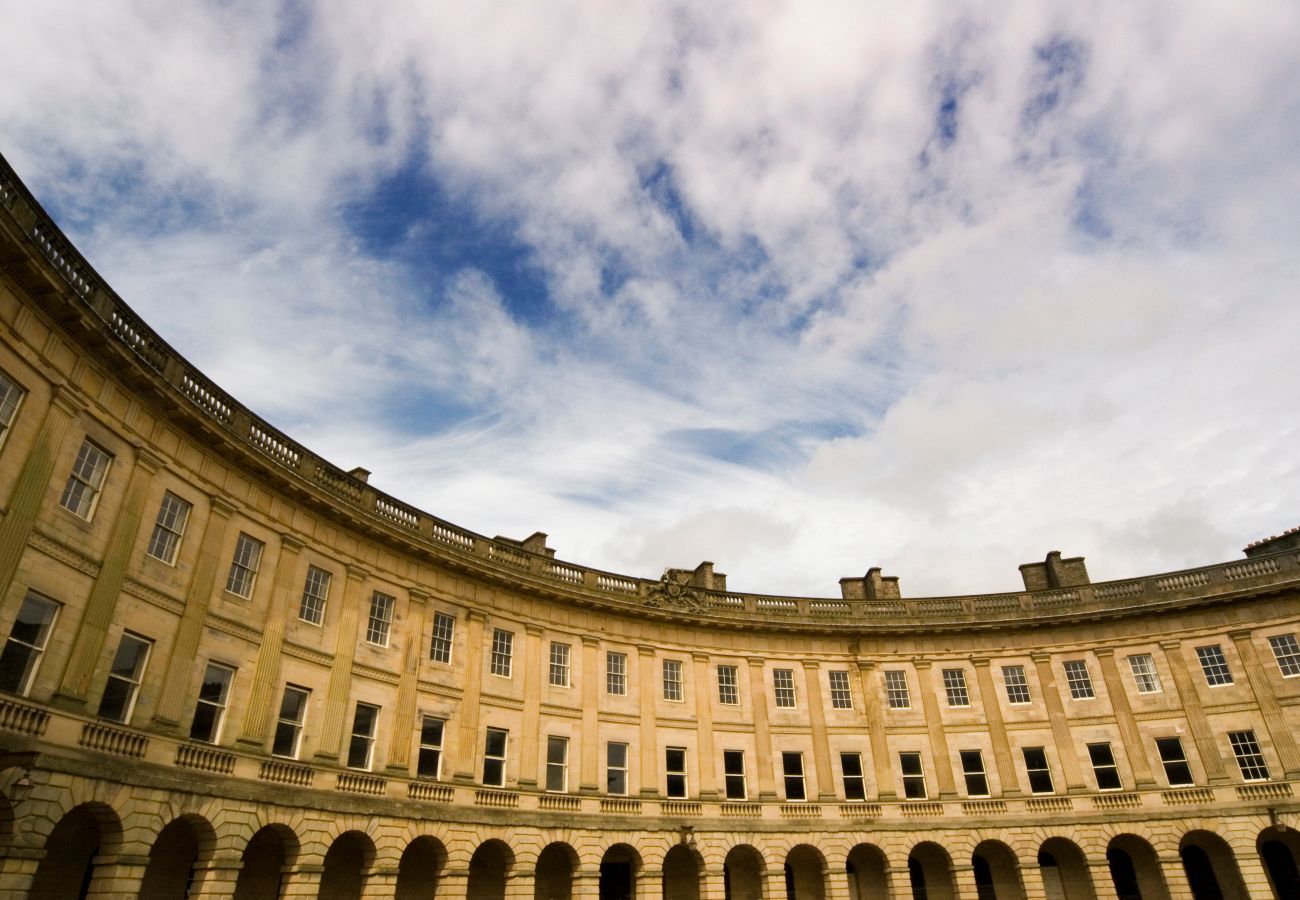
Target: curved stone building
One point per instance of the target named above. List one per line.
(231, 668)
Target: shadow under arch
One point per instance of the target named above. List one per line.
(742, 873)
(682, 870)
(929, 868)
(1064, 870)
(82, 834)
(553, 878)
(178, 849)
(347, 862)
(489, 868)
(997, 871)
(1279, 851)
(867, 869)
(422, 862)
(620, 866)
(805, 873)
(1211, 867)
(1135, 869)
(268, 853)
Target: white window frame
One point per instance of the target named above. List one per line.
(11, 400)
(1173, 759)
(361, 745)
(169, 528)
(1079, 679)
(86, 480)
(494, 761)
(676, 785)
(444, 637)
(1094, 750)
(1286, 650)
(1214, 665)
(1045, 770)
(285, 724)
(503, 651)
(974, 773)
(130, 681)
(613, 749)
(379, 623)
(30, 651)
(216, 703)
(858, 778)
(734, 783)
(1249, 755)
(672, 678)
(897, 694)
(315, 595)
(558, 673)
(792, 776)
(557, 764)
(428, 761)
(841, 692)
(783, 692)
(1145, 677)
(1016, 684)
(242, 579)
(954, 687)
(616, 673)
(728, 686)
(914, 786)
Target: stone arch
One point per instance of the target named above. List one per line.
(742, 873)
(1211, 867)
(1279, 851)
(620, 867)
(175, 857)
(347, 863)
(556, 865)
(929, 868)
(683, 869)
(867, 869)
(421, 863)
(805, 873)
(6, 822)
(1064, 870)
(84, 834)
(489, 868)
(997, 871)
(269, 852)
(1135, 869)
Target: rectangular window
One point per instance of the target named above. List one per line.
(27, 640)
(315, 591)
(1250, 758)
(288, 726)
(494, 757)
(124, 678)
(913, 776)
(362, 745)
(444, 631)
(557, 764)
(896, 690)
(728, 686)
(1040, 774)
(429, 762)
(616, 673)
(783, 687)
(503, 645)
(855, 782)
(1013, 678)
(792, 769)
(841, 696)
(243, 568)
(1143, 667)
(381, 618)
(672, 679)
(1103, 766)
(675, 770)
(733, 772)
(616, 769)
(972, 767)
(86, 479)
(1287, 653)
(10, 396)
(1214, 665)
(1177, 771)
(169, 528)
(1077, 677)
(559, 673)
(211, 708)
(954, 685)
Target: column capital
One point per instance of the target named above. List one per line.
(922, 664)
(811, 665)
(1104, 652)
(589, 640)
(475, 615)
(755, 662)
(356, 573)
(292, 542)
(980, 662)
(1171, 644)
(534, 630)
(146, 458)
(221, 506)
(700, 656)
(417, 596)
(646, 649)
(1241, 634)
(1041, 656)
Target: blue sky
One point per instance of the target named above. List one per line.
(797, 288)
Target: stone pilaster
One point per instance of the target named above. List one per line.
(817, 723)
(992, 707)
(646, 681)
(355, 598)
(876, 732)
(1061, 735)
(1274, 719)
(1190, 701)
(266, 672)
(1128, 730)
(399, 743)
(531, 738)
(934, 727)
(467, 739)
(762, 731)
(589, 772)
(704, 726)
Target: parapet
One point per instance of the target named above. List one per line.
(1054, 573)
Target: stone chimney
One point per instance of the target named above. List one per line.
(872, 586)
(361, 475)
(1054, 573)
(702, 577)
(1287, 540)
(534, 543)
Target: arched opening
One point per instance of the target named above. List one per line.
(805, 874)
(742, 874)
(268, 853)
(930, 869)
(488, 869)
(1279, 851)
(1135, 869)
(868, 873)
(174, 857)
(682, 874)
(1064, 871)
(618, 870)
(997, 872)
(1211, 867)
(6, 823)
(554, 878)
(70, 850)
(418, 869)
(346, 863)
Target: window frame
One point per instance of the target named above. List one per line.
(729, 686)
(361, 744)
(842, 693)
(859, 795)
(621, 769)
(1146, 679)
(218, 706)
(559, 667)
(1173, 759)
(495, 762)
(784, 695)
(429, 754)
(291, 726)
(315, 595)
(731, 778)
(1249, 755)
(85, 482)
(1286, 652)
(131, 682)
(12, 395)
(1095, 749)
(1016, 683)
(673, 690)
(955, 689)
(676, 783)
(31, 652)
(165, 540)
(501, 662)
(557, 767)
(974, 773)
(1078, 679)
(615, 673)
(379, 619)
(793, 776)
(914, 786)
(1214, 665)
(442, 641)
(1034, 774)
(897, 695)
(244, 565)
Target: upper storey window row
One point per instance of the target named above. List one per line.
(1145, 679)
(1287, 653)
(243, 568)
(616, 673)
(380, 620)
(169, 528)
(503, 644)
(444, 632)
(86, 480)
(1078, 679)
(315, 591)
(1214, 665)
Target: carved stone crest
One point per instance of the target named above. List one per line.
(674, 591)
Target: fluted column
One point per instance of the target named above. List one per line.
(1061, 736)
(469, 699)
(345, 650)
(762, 732)
(1128, 730)
(531, 737)
(32, 484)
(934, 727)
(992, 707)
(876, 733)
(1197, 722)
(590, 771)
(98, 615)
(817, 722)
(266, 672)
(704, 726)
(646, 683)
(1276, 721)
(399, 744)
(176, 682)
